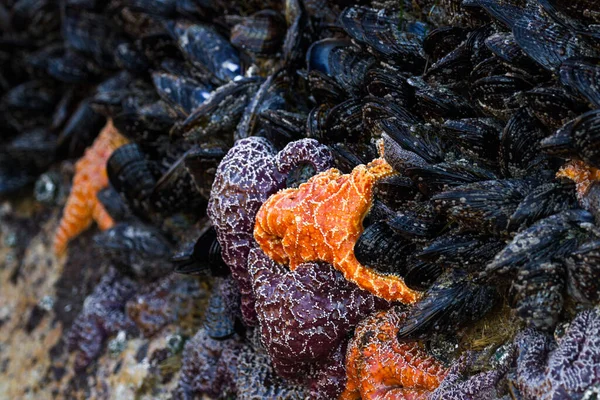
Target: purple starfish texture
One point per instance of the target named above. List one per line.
(103, 315)
(231, 368)
(481, 386)
(161, 302)
(205, 366)
(246, 177)
(306, 314)
(563, 372)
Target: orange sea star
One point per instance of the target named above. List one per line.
(378, 366)
(581, 173)
(321, 221)
(82, 206)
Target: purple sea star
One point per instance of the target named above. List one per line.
(103, 315)
(249, 173)
(204, 368)
(255, 377)
(230, 368)
(162, 302)
(565, 372)
(304, 151)
(481, 386)
(306, 314)
(328, 378)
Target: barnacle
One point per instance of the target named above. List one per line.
(321, 221)
(82, 206)
(379, 366)
(536, 294)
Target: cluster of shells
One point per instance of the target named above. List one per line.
(390, 200)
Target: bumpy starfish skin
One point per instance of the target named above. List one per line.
(482, 386)
(306, 313)
(162, 302)
(321, 221)
(231, 368)
(327, 380)
(103, 315)
(204, 366)
(304, 151)
(565, 372)
(251, 171)
(82, 206)
(582, 174)
(255, 377)
(246, 177)
(378, 366)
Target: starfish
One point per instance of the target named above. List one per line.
(231, 368)
(206, 366)
(378, 366)
(162, 302)
(321, 221)
(482, 386)
(103, 315)
(305, 314)
(251, 171)
(566, 371)
(581, 173)
(82, 206)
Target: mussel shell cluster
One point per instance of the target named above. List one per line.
(475, 104)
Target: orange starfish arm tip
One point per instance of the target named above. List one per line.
(82, 207)
(321, 221)
(378, 366)
(582, 174)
